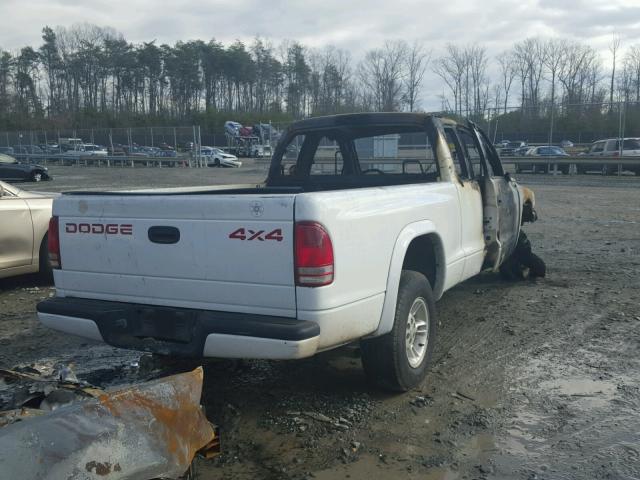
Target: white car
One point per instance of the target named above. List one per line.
(93, 149)
(216, 157)
(611, 148)
(353, 242)
(24, 222)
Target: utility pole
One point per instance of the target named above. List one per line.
(551, 125)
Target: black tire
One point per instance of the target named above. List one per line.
(523, 263)
(216, 162)
(511, 270)
(536, 266)
(564, 169)
(385, 359)
(36, 176)
(44, 268)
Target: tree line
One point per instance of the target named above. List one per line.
(89, 76)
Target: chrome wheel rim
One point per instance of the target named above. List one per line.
(417, 334)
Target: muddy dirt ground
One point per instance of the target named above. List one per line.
(530, 380)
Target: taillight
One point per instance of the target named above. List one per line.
(313, 255)
(54, 243)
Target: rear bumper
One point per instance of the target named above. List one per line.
(181, 331)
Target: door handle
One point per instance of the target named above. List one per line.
(164, 235)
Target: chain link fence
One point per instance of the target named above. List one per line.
(187, 145)
(178, 138)
(579, 124)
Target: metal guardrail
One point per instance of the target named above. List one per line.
(110, 160)
(552, 163)
(575, 163)
(581, 159)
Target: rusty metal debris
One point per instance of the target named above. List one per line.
(146, 431)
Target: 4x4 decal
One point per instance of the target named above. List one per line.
(260, 235)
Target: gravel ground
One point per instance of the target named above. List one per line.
(530, 380)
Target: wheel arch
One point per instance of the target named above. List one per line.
(528, 207)
(413, 239)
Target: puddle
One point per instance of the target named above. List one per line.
(587, 393)
(579, 386)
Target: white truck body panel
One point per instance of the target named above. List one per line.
(205, 269)
(364, 225)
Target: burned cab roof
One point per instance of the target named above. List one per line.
(355, 120)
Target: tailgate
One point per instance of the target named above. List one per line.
(216, 252)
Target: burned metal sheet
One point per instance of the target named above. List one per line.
(151, 430)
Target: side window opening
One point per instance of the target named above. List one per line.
(472, 151)
(328, 158)
(383, 152)
(631, 144)
(490, 161)
(457, 153)
(400, 153)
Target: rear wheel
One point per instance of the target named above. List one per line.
(399, 360)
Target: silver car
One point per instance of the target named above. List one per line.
(24, 222)
(216, 157)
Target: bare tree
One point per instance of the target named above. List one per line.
(553, 58)
(417, 61)
(632, 64)
(530, 57)
(477, 65)
(555, 50)
(580, 74)
(451, 68)
(497, 98)
(624, 82)
(382, 73)
(508, 72)
(613, 48)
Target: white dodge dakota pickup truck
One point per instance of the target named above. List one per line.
(364, 221)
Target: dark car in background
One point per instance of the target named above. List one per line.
(545, 151)
(11, 170)
(522, 151)
(20, 150)
(511, 148)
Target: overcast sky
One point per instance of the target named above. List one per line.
(354, 25)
